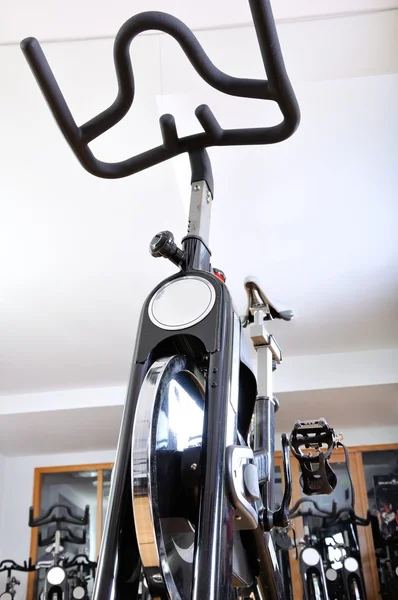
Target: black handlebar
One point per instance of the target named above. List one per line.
(67, 536)
(334, 515)
(294, 512)
(277, 88)
(80, 559)
(50, 517)
(11, 565)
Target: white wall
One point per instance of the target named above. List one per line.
(17, 484)
(2, 477)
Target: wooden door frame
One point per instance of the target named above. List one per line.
(37, 481)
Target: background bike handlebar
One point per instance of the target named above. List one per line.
(277, 88)
(50, 516)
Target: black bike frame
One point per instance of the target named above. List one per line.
(214, 338)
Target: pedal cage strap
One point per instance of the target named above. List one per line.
(323, 480)
(317, 476)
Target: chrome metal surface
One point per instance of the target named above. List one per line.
(264, 372)
(169, 419)
(140, 465)
(238, 457)
(182, 303)
(264, 434)
(200, 211)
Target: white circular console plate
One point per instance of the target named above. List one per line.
(310, 556)
(331, 574)
(78, 592)
(182, 303)
(55, 576)
(351, 564)
(6, 596)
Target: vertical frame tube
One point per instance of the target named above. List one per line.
(212, 577)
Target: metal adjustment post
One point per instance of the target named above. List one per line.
(200, 211)
(268, 355)
(196, 243)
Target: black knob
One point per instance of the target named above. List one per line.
(163, 244)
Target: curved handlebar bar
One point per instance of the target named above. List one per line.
(293, 513)
(69, 536)
(333, 514)
(277, 88)
(49, 517)
(363, 522)
(80, 559)
(11, 565)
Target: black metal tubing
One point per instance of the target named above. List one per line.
(293, 513)
(50, 517)
(264, 440)
(201, 168)
(11, 565)
(277, 88)
(108, 557)
(80, 559)
(281, 515)
(214, 535)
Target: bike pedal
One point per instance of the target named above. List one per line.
(312, 443)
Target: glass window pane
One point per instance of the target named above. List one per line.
(74, 490)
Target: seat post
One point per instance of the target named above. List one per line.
(268, 355)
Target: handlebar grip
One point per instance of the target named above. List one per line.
(277, 88)
(50, 88)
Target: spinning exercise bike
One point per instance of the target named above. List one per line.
(56, 585)
(83, 569)
(11, 582)
(342, 579)
(191, 501)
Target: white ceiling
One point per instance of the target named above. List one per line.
(315, 218)
(50, 20)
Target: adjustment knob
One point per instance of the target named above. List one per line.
(163, 244)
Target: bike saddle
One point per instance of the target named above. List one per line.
(257, 299)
